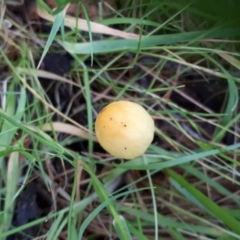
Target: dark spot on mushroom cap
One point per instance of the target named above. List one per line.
(125, 125)
(125, 148)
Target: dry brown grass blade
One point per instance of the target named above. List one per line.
(82, 25)
(66, 128)
(230, 59)
(45, 74)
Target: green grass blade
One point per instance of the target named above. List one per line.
(155, 163)
(164, 221)
(108, 46)
(203, 177)
(189, 196)
(89, 30)
(41, 136)
(11, 188)
(122, 235)
(55, 28)
(119, 224)
(55, 226)
(219, 212)
(135, 232)
(176, 234)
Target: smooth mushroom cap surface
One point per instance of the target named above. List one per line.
(124, 129)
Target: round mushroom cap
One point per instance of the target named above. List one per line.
(124, 129)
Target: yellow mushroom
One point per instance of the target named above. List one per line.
(124, 129)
